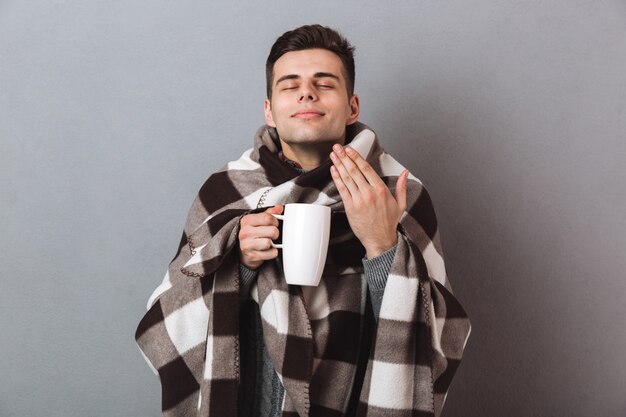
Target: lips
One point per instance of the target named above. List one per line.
(307, 114)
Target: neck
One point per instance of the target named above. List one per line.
(309, 157)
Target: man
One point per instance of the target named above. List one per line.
(381, 334)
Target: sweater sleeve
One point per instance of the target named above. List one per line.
(376, 271)
(246, 279)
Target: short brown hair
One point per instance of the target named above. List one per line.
(312, 37)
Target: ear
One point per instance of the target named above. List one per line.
(267, 108)
(354, 110)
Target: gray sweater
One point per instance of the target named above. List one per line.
(261, 392)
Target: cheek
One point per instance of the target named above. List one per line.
(346, 110)
(279, 111)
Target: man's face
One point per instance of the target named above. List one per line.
(310, 103)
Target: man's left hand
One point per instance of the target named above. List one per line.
(372, 211)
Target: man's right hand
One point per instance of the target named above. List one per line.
(255, 235)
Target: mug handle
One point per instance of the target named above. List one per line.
(277, 245)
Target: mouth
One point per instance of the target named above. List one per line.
(307, 114)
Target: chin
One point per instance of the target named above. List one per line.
(303, 137)
(310, 140)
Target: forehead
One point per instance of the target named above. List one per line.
(308, 62)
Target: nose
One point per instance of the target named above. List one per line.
(307, 93)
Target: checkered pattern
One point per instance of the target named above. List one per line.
(317, 338)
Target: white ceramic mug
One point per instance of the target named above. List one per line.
(306, 229)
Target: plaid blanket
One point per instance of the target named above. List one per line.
(190, 334)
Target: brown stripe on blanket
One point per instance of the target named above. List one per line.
(321, 411)
(246, 184)
(221, 391)
(220, 220)
(385, 412)
(450, 307)
(189, 403)
(297, 351)
(396, 334)
(339, 291)
(161, 354)
(316, 178)
(276, 170)
(227, 192)
(153, 317)
(177, 382)
(445, 379)
(329, 382)
(423, 211)
(344, 326)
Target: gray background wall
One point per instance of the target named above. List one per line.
(513, 114)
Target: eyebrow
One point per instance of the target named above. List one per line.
(316, 75)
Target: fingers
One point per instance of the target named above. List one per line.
(257, 245)
(401, 190)
(252, 259)
(262, 219)
(258, 232)
(259, 228)
(364, 167)
(277, 209)
(349, 171)
(341, 187)
(255, 236)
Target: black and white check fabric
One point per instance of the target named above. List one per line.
(314, 335)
